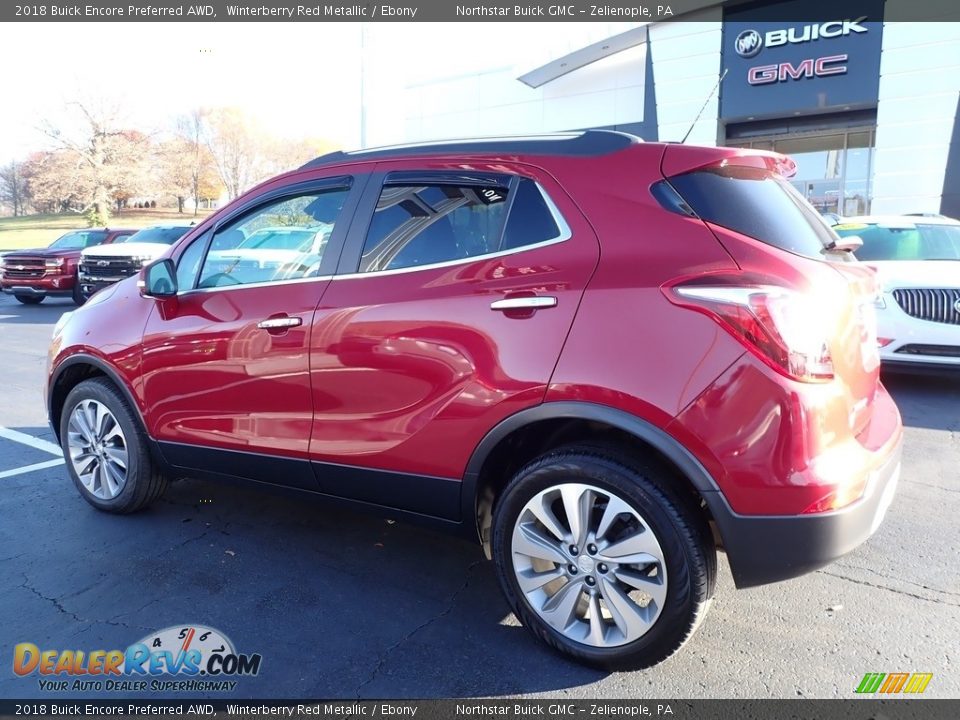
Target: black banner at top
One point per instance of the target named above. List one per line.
(440, 11)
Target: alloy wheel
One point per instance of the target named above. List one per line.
(98, 449)
(589, 565)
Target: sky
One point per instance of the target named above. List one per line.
(298, 79)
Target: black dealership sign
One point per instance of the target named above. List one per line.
(828, 63)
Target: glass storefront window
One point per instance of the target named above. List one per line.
(833, 170)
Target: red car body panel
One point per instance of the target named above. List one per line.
(212, 377)
(408, 372)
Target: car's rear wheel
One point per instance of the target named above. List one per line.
(106, 449)
(30, 299)
(601, 560)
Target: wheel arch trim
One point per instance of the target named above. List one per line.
(643, 430)
(102, 366)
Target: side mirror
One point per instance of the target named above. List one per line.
(159, 279)
(850, 243)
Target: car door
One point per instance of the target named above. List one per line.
(454, 296)
(226, 362)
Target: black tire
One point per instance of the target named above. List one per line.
(683, 534)
(78, 296)
(30, 299)
(144, 483)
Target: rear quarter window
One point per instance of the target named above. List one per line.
(758, 204)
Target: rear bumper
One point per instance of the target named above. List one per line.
(763, 549)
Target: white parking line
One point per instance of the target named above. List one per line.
(31, 441)
(31, 468)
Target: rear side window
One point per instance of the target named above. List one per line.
(427, 224)
(756, 203)
(531, 221)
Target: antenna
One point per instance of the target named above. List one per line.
(694, 123)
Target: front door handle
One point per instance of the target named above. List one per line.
(535, 302)
(279, 323)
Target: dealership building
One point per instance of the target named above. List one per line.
(865, 102)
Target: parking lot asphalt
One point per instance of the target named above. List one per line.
(342, 605)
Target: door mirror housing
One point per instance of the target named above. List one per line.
(850, 243)
(159, 279)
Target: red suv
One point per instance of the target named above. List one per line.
(602, 358)
(32, 275)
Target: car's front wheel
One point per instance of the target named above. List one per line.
(601, 560)
(30, 299)
(106, 449)
(78, 297)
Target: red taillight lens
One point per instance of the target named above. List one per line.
(785, 328)
(839, 498)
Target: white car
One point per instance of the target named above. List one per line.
(103, 265)
(917, 259)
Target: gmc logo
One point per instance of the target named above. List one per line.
(781, 72)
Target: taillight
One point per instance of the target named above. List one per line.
(840, 497)
(784, 328)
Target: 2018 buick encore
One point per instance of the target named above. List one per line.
(603, 359)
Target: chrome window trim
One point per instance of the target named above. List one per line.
(565, 234)
(265, 283)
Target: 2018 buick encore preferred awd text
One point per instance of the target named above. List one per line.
(602, 358)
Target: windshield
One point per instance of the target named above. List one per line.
(910, 241)
(161, 235)
(79, 240)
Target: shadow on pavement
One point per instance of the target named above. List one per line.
(48, 312)
(339, 604)
(934, 398)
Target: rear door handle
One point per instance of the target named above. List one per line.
(536, 302)
(279, 323)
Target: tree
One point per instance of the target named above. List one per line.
(13, 189)
(238, 148)
(55, 181)
(112, 161)
(187, 168)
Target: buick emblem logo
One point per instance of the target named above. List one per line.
(748, 43)
(956, 306)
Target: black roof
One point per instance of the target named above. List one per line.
(582, 144)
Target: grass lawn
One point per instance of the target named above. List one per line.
(41, 230)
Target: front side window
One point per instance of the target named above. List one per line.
(282, 240)
(189, 263)
(417, 225)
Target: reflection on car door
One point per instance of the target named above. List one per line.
(458, 295)
(226, 362)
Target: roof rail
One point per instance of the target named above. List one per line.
(583, 143)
